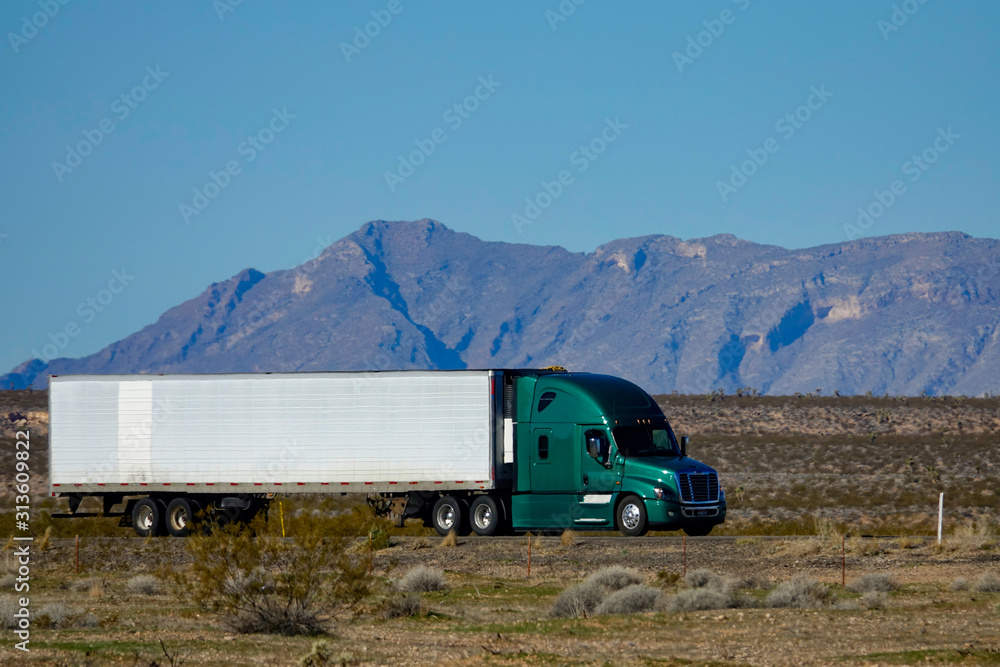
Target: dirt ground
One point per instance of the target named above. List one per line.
(790, 465)
(494, 613)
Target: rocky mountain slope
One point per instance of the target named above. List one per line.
(901, 314)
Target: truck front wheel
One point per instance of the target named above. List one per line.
(631, 516)
(147, 517)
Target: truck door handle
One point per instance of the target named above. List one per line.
(586, 480)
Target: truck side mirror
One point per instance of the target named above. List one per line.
(598, 447)
(684, 445)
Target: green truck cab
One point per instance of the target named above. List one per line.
(595, 452)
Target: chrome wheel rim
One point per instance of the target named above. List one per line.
(630, 516)
(483, 516)
(146, 518)
(446, 516)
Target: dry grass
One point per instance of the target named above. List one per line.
(143, 584)
(873, 583)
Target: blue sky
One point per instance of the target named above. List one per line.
(115, 118)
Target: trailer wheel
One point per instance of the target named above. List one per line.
(449, 514)
(484, 515)
(147, 517)
(631, 516)
(180, 516)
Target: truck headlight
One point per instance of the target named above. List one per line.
(664, 493)
(722, 495)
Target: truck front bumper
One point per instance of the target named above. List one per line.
(664, 513)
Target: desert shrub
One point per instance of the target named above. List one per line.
(262, 583)
(584, 598)
(81, 585)
(668, 578)
(986, 583)
(797, 593)
(874, 599)
(632, 599)
(960, 584)
(321, 655)
(699, 599)
(873, 583)
(53, 615)
(579, 600)
(8, 607)
(422, 579)
(403, 606)
(378, 538)
(143, 584)
(615, 578)
(751, 581)
(705, 579)
(8, 581)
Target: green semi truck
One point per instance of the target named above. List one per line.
(484, 451)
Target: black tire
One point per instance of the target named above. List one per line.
(485, 516)
(630, 516)
(180, 516)
(449, 514)
(147, 517)
(698, 529)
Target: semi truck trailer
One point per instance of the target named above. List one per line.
(484, 451)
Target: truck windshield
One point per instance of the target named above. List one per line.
(642, 441)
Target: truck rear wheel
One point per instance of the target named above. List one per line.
(147, 517)
(450, 514)
(631, 516)
(484, 516)
(180, 515)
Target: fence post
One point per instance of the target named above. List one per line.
(940, 516)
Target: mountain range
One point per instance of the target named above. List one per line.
(902, 314)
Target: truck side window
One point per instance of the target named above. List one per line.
(543, 447)
(545, 399)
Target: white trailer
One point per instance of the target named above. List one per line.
(168, 446)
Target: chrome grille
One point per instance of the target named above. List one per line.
(698, 487)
